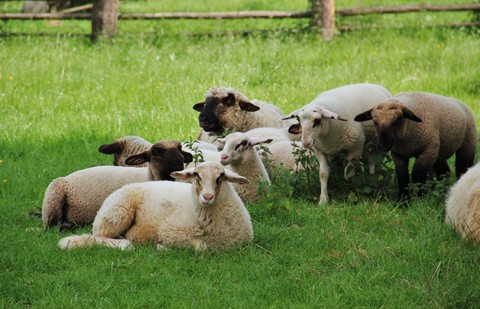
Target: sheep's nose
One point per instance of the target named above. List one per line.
(307, 144)
(207, 197)
(223, 157)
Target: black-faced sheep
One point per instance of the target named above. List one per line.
(205, 214)
(327, 127)
(227, 108)
(427, 127)
(463, 205)
(74, 200)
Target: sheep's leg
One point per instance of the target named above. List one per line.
(323, 172)
(401, 170)
(352, 159)
(181, 236)
(441, 168)
(423, 164)
(464, 158)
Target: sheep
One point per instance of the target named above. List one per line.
(282, 153)
(276, 134)
(124, 147)
(162, 213)
(328, 128)
(226, 108)
(241, 156)
(463, 205)
(425, 126)
(74, 200)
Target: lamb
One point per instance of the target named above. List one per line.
(428, 127)
(161, 212)
(239, 153)
(74, 200)
(328, 128)
(463, 205)
(124, 147)
(225, 108)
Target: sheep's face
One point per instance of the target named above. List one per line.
(208, 179)
(236, 145)
(218, 113)
(390, 120)
(164, 158)
(314, 123)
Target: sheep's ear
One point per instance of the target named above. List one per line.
(187, 157)
(199, 106)
(115, 147)
(248, 107)
(292, 115)
(139, 158)
(221, 141)
(255, 141)
(184, 175)
(367, 115)
(331, 115)
(295, 129)
(235, 178)
(410, 115)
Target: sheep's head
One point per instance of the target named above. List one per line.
(313, 123)
(164, 157)
(124, 147)
(389, 119)
(220, 108)
(208, 178)
(235, 145)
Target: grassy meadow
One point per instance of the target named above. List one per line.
(62, 96)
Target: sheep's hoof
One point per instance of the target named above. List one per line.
(349, 171)
(323, 200)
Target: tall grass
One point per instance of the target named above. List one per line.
(61, 97)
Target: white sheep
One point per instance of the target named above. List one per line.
(428, 127)
(124, 147)
(207, 214)
(241, 156)
(275, 134)
(282, 153)
(226, 108)
(74, 200)
(328, 128)
(463, 205)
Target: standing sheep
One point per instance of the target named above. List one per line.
(74, 200)
(242, 157)
(425, 126)
(327, 127)
(225, 108)
(463, 205)
(205, 214)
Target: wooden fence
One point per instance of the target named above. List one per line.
(105, 15)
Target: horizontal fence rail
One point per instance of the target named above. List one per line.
(250, 14)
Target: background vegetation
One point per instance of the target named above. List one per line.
(61, 97)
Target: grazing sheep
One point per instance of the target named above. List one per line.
(125, 147)
(74, 200)
(227, 108)
(328, 128)
(163, 213)
(283, 154)
(430, 128)
(239, 153)
(463, 205)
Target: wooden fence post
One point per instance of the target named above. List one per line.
(323, 18)
(104, 18)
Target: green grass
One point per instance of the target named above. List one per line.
(61, 97)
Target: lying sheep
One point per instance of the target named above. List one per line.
(124, 147)
(328, 128)
(163, 213)
(74, 200)
(225, 108)
(239, 153)
(430, 128)
(463, 205)
(127, 146)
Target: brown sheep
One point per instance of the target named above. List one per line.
(427, 127)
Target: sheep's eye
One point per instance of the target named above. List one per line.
(397, 121)
(229, 100)
(316, 122)
(243, 143)
(375, 122)
(157, 151)
(199, 179)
